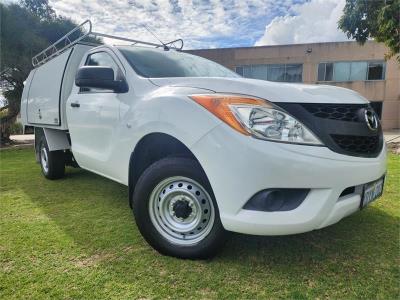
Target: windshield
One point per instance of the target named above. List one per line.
(155, 63)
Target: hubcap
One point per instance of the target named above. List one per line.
(181, 210)
(44, 159)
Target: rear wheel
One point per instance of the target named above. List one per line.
(175, 209)
(51, 162)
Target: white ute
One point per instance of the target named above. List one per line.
(203, 150)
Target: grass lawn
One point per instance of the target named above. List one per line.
(76, 238)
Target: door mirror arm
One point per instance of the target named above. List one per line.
(122, 86)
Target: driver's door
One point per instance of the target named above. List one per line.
(93, 117)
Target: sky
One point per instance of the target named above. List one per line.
(212, 23)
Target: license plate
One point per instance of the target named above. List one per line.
(372, 191)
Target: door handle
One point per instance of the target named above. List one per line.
(75, 104)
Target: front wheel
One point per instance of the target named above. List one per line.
(175, 209)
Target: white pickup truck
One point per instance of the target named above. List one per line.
(203, 150)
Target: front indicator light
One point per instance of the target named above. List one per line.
(257, 117)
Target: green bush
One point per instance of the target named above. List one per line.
(16, 128)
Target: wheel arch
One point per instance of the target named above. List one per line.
(151, 148)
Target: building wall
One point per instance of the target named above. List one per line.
(310, 55)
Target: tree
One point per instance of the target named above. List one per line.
(26, 29)
(377, 19)
(40, 8)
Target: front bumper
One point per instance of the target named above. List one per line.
(239, 166)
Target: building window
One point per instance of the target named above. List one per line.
(375, 71)
(239, 70)
(325, 71)
(294, 73)
(276, 72)
(358, 70)
(341, 71)
(351, 71)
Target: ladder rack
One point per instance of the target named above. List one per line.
(82, 31)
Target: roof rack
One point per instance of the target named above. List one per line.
(82, 31)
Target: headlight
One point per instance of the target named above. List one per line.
(257, 117)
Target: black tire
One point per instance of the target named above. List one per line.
(161, 170)
(55, 168)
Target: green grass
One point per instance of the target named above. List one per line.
(76, 238)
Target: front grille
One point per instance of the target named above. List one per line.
(364, 145)
(341, 112)
(340, 127)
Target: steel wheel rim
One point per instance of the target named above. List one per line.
(44, 159)
(163, 202)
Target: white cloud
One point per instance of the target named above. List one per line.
(314, 21)
(192, 20)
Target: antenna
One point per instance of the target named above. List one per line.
(166, 48)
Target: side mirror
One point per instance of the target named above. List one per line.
(100, 78)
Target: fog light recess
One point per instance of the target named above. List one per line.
(276, 200)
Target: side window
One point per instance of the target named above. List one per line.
(101, 59)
